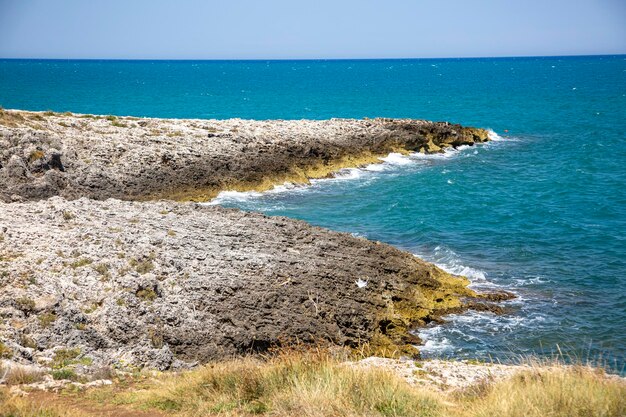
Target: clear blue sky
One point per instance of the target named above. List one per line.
(283, 29)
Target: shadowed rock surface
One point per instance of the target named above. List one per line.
(48, 154)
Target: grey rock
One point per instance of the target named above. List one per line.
(162, 284)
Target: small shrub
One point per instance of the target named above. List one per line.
(64, 357)
(80, 263)
(111, 118)
(49, 113)
(105, 372)
(68, 215)
(5, 352)
(103, 270)
(147, 294)
(25, 304)
(28, 342)
(142, 267)
(19, 375)
(92, 308)
(65, 373)
(118, 124)
(35, 155)
(156, 338)
(85, 361)
(47, 319)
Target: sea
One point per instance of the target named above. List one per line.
(539, 211)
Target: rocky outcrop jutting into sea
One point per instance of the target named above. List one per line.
(43, 155)
(151, 282)
(165, 284)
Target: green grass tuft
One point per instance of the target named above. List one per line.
(46, 319)
(80, 263)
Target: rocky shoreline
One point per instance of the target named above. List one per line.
(48, 154)
(90, 278)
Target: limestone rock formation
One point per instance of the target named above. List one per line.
(43, 155)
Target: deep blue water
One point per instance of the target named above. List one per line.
(541, 212)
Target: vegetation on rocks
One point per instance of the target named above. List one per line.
(5, 352)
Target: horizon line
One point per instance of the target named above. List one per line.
(310, 59)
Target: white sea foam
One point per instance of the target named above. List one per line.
(483, 322)
(494, 136)
(375, 167)
(241, 196)
(344, 174)
(523, 282)
(397, 159)
(450, 262)
(448, 153)
(471, 327)
(233, 196)
(496, 140)
(434, 342)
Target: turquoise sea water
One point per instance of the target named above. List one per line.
(540, 212)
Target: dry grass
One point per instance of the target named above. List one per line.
(11, 118)
(318, 384)
(11, 406)
(557, 391)
(291, 384)
(17, 375)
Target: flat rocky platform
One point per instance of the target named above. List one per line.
(154, 284)
(87, 279)
(48, 154)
